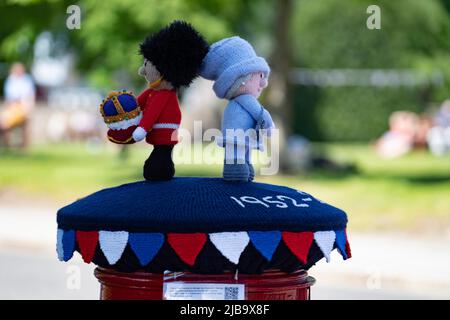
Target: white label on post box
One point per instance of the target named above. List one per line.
(203, 291)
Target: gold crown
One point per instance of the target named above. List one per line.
(121, 113)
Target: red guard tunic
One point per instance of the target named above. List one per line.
(161, 116)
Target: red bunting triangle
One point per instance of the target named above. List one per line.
(299, 243)
(187, 245)
(87, 242)
(347, 246)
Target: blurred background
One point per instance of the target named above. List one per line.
(364, 115)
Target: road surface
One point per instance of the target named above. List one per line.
(384, 266)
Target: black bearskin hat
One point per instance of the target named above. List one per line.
(177, 51)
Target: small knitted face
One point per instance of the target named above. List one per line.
(149, 72)
(254, 86)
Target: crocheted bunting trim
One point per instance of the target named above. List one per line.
(249, 252)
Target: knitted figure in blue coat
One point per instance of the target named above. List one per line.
(240, 76)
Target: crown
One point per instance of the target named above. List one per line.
(118, 106)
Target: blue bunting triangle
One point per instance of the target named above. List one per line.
(68, 243)
(145, 245)
(341, 240)
(59, 244)
(266, 242)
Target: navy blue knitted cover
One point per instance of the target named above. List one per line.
(204, 225)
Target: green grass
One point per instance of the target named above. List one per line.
(65, 172)
(410, 193)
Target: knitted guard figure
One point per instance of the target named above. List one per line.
(172, 58)
(240, 76)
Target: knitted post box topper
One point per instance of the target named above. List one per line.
(122, 115)
(214, 226)
(240, 76)
(172, 58)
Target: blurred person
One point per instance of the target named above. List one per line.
(424, 124)
(442, 118)
(19, 91)
(438, 137)
(20, 94)
(399, 140)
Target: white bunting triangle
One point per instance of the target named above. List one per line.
(325, 241)
(230, 244)
(113, 244)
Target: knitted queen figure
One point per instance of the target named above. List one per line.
(172, 59)
(240, 76)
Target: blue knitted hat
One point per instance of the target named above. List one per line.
(229, 59)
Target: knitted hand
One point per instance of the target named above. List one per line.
(267, 123)
(139, 134)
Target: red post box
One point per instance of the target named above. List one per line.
(270, 285)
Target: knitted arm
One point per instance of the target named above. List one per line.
(153, 107)
(256, 110)
(268, 122)
(142, 98)
(250, 104)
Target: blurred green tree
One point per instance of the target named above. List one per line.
(302, 33)
(21, 24)
(332, 34)
(106, 46)
(112, 30)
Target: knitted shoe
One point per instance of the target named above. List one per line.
(251, 175)
(236, 172)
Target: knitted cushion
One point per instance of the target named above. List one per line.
(203, 225)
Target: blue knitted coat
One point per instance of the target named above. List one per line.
(243, 112)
